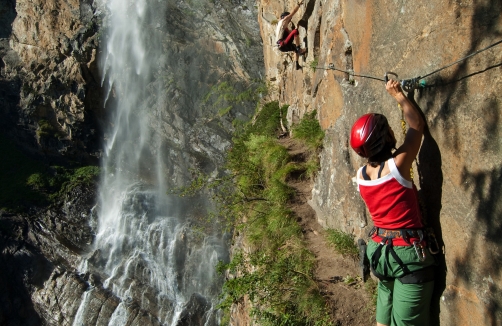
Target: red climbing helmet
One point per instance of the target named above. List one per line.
(368, 133)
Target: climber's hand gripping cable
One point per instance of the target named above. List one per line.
(406, 153)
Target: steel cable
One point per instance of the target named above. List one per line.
(351, 73)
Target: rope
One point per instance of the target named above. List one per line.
(416, 79)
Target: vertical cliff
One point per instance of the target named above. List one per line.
(52, 107)
(51, 98)
(458, 169)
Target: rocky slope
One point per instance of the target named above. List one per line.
(458, 169)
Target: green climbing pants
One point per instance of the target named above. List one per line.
(401, 304)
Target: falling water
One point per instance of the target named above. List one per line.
(144, 246)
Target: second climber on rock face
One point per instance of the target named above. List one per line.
(289, 40)
(398, 249)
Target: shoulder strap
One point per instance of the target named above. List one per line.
(381, 168)
(365, 175)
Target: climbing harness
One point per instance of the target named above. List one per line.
(415, 82)
(420, 276)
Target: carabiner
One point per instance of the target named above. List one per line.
(419, 249)
(386, 78)
(432, 241)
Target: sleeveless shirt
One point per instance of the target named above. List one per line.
(392, 202)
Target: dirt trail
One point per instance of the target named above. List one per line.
(349, 301)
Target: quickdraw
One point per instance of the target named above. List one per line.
(420, 250)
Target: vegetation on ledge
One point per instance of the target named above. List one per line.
(27, 182)
(276, 273)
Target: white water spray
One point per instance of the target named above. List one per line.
(143, 247)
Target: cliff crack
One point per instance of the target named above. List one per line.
(349, 62)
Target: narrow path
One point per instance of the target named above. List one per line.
(337, 276)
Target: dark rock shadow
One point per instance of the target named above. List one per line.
(486, 193)
(447, 90)
(7, 16)
(304, 20)
(306, 15)
(430, 177)
(23, 269)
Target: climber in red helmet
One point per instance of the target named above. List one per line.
(288, 40)
(397, 250)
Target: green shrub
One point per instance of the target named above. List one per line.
(46, 129)
(268, 120)
(311, 133)
(314, 64)
(38, 181)
(309, 130)
(26, 181)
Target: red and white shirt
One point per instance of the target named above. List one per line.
(392, 202)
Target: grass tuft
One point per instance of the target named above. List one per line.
(309, 130)
(276, 274)
(343, 243)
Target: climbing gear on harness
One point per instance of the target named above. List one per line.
(364, 263)
(420, 250)
(432, 242)
(405, 234)
(388, 250)
(368, 133)
(410, 277)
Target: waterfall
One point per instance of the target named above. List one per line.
(144, 247)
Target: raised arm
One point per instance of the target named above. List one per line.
(406, 153)
(287, 19)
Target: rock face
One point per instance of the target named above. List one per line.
(40, 253)
(52, 106)
(205, 45)
(458, 168)
(52, 94)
